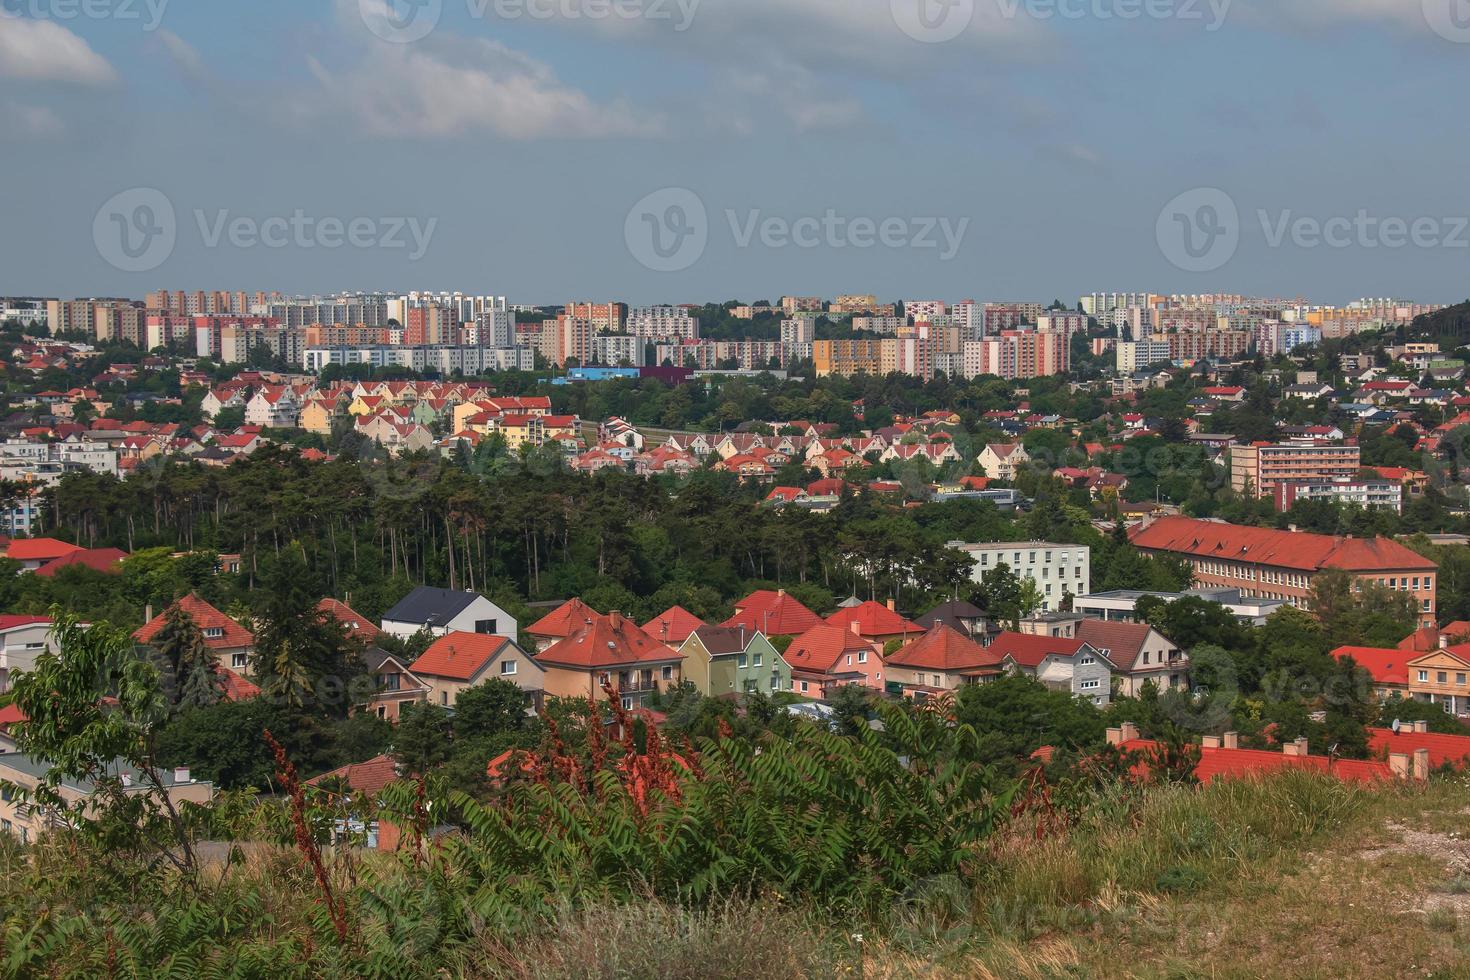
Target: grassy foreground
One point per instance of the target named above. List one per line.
(1295, 876)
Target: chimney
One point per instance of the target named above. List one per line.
(1230, 740)
(857, 628)
(781, 592)
(1400, 765)
(742, 636)
(1421, 728)
(615, 619)
(181, 774)
(1209, 742)
(1130, 731)
(1297, 748)
(1115, 736)
(148, 613)
(891, 607)
(1444, 642)
(127, 779)
(1421, 764)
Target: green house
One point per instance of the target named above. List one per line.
(733, 661)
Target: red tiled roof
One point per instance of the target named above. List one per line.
(1443, 749)
(772, 613)
(363, 777)
(944, 649)
(14, 622)
(1386, 666)
(820, 649)
(874, 619)
(459, 656)
(1246, 763)
(97, 559)
(1030, 651)
(564, 620)
(673, 625)
(1284, 549)
(39, 549)
(1122, 641)
(237, 688)
(358, 625)
(206, 617)
(10, 715)
(609, 641)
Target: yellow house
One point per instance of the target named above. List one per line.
(520, 430)
(1442, 677)
(611, 651)
(465, 411)
(317, 416)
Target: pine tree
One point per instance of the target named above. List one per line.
(187, 666)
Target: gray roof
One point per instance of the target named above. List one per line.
(424, 605)
(949, 613)
(37, 768)
(719, 640)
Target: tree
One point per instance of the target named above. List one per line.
(496, 707)
(186, 664)
(303, 657)
(423, 739)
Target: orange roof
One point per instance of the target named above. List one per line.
(945, 649)
(1386, 666)
(237, 688)
(459, 656)
(1030, 651)
(1443, 749)
(1245, 763)
(772, 613)
(564, 620)
(1284, 549)
(363, 777)
(97, 559)
(673, 625)
(608, 641)
(821, 648)
(358, 626)
(10, 715)
(39, 549)
(874, 619)
(207, 618)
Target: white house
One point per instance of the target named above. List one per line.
(443, 611)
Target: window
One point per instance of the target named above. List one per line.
(382, 711)
(239, 661)
(755, 660)
(213, 632)
(627, 704)
(485, 626)
(1460, 679)
(1092, 685)
(740, 661)
(1087, 661)
(1145, 658)
(668, 673)
(862, 656)
(1442, 677)
(849, 660)
(937, 683)
(507, 667)
(803, 687)
(444, 698)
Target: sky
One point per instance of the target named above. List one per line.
(706, 150)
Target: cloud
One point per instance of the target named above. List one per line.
(43, 50)
(796, 94)
(453, 86)
(1300, 15)
(184, 55)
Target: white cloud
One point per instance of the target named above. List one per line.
(43, 50)
(184, 55)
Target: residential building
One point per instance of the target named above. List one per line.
(362, 781)
(663, 322)
(29, 821)
(1121, 605)
(611, 653)
(231, 643)
(941, 659)
(826, 658)
(962, 617)
(604, 317)
(1135, 355)
(1283, 564)
(875, 621)
(1388, 667)
(673, 627)
(1442, 677)
(1001, 461)
(1071, 665)
(773, 614)
(1058, 570)
(457, 661)
(1367, 494)
(560, 623)
(1139, 654)
(442, 611)
(720, 661)
(394, 685)
(1260, 469)
(22, 640)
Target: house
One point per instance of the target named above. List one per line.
(362, 780)
(1388, 668)
(442, 611)
(231, 643)
(962, 617)
(772, 613)
(29, 821)
(875, 621)
(394, 685)
(720, 661)
(458, 661)
(1442, 677)
(22, 639)
(942, 659)
(561, 623)
(358, 626)
(1062, 664)
(612, 653)
(673, 626)
(32, 553)
(827, 657)
(1139, 654)
(1001, 461)
(1429, 638)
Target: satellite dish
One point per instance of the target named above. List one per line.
(1396, 726)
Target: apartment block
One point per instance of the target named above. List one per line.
(1367, 494)
(1260, 469)
(663, 322)
(1059, 570)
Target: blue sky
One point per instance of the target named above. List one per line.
(1054, 137)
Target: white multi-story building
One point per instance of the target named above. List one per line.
(798, 330)
(1135, 355)
(879, 324)
(924, 310)
(1058, 570)
(663, 322)
(613, 350)
(442, 359)
(1096, 304)
(1062, 322)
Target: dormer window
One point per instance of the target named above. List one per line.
(213, 632)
